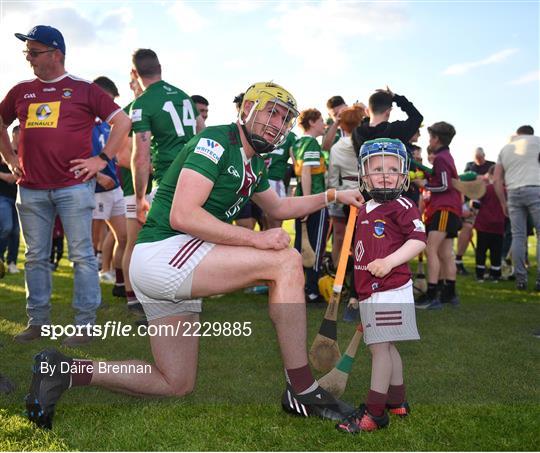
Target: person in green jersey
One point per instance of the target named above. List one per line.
(163, 118)
(189, 248)
(276, 163)
(310, 169)
(133, 226)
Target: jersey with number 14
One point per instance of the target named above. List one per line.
(217, 154)
(169, 114)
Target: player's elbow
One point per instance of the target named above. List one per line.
(122, 123)
(178, 220)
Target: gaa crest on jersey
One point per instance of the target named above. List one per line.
(378, 228)
(233, 171)
(43, 114)
(67, 93)
(210, 149)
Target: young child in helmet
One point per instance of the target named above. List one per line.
(389, 233)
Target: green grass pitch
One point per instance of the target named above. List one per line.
(472, 381)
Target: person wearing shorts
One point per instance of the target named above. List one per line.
(133, 226)
(184, 252)
(389, 233)
(445, 221)
(109, 198)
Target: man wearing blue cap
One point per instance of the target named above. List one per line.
(55, 172)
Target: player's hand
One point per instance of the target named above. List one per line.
(349, 197)
(505, 209)
(14, 165)
(87, 168)
(379, 267)
(273, 239)
(142, 209)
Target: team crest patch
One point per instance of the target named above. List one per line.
(136, 115)
(66, 93)
(210, 149)
(419, 226)
(378, 228)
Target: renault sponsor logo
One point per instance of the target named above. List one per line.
(43, 112)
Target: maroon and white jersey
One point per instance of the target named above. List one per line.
(490, 218)
(381, 229)
(56, 121)
(443, 195)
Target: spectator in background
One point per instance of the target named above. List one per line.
(56, 173)
(378, 124)
(489, 226)
(164, 119)
(343, 172)
(415, 156)
(480, 166)
(335, 106)
(57, 249)
(110, 205)
(518, 168)
(310, 169)
(342, 175)
(277, 163)
(133, 226)
(9, 222)
(202, 105)
(445, 205)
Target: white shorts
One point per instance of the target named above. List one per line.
(131, 203)
(109, 204)
(161, 274)
(279, 187)
(389, 316)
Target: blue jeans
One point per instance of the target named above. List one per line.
(37, 211)
(9, 229)
(520, 202)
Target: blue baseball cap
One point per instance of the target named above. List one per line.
(45, 34)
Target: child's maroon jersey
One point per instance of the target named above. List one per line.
(381, 229)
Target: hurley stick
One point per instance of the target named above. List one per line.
(308, 255)
(324, 352)
(335, 381)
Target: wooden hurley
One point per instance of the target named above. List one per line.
(335, 381)
(308, 255)
(324, 352)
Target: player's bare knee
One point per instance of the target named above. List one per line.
(291, 262)
(182, 388)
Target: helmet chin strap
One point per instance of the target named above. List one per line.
(259, 144)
